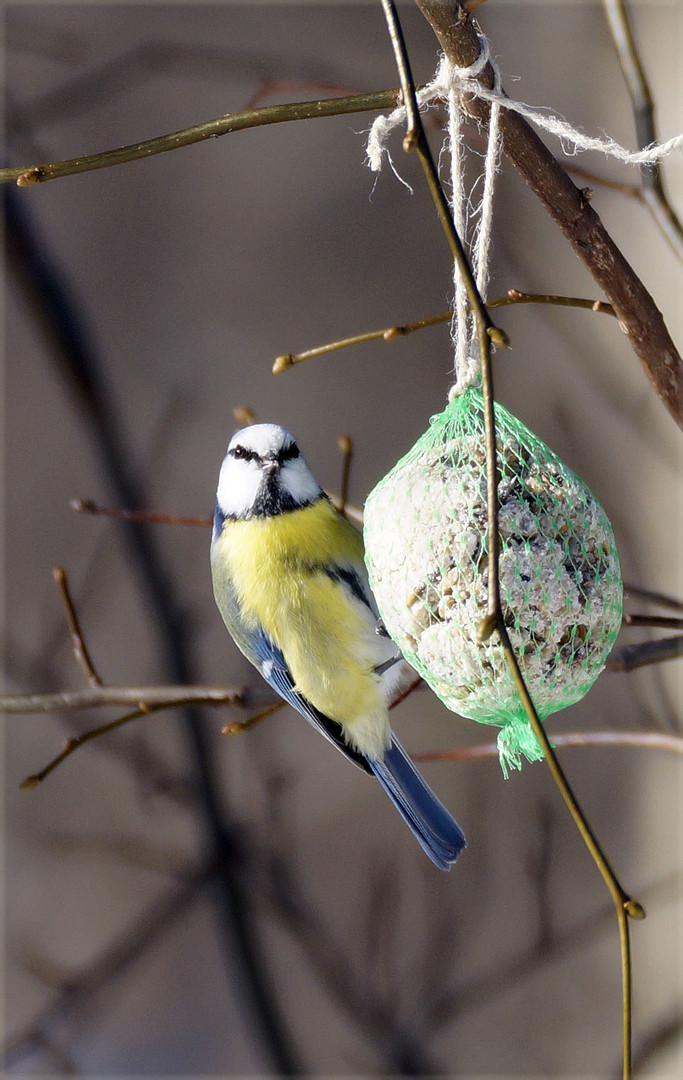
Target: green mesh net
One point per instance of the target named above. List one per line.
(561, 590)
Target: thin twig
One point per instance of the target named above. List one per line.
(148, 700)
(623, 902)
(389, 333)
(87, 506)
(651, 740)
(238, 727)
(514, 296)
(650, 597)
(80, 649)
(153, 696)
(630, 657)
(626, 907)
(663, 622)
(144, 708)
(653, 192)
(632, 191)
(151, 517)
(77, 741)
(345, 447)
(27, 175)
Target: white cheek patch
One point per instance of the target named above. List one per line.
(238, 483)
(296, 478)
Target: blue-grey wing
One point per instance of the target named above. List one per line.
(261, 651)
(435, 829)
(271, 663)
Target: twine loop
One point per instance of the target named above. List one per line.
(449, 84)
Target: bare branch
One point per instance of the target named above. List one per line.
(630, 657)
(652, 740)
(238, 727)
(87, 506)
(80, 649)
(638, 315)
(390, 333)
(650, 597)
(663, 622)
(27, 175)
(152, 696)
(653, 192)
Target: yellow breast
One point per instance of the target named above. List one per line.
(280, 568)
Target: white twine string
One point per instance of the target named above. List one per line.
(450, 83)
(463, 329)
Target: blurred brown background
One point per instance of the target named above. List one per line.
(180, 903)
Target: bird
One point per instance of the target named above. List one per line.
(290, 583)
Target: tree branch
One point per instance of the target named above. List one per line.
(629, 657)
(653, 740)
(27, 175)
(65, 700)
(652, 192)
(637, 312)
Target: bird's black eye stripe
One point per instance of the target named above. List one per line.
(288, 453)
(242, 454)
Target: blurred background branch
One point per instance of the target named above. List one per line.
(652, 188)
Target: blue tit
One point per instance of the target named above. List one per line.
(290, 583)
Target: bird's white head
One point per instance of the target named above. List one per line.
(264, 474)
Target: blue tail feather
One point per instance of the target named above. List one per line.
(438, 833)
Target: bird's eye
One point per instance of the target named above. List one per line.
(241, 453)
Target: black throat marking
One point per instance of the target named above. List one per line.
(271, 500)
